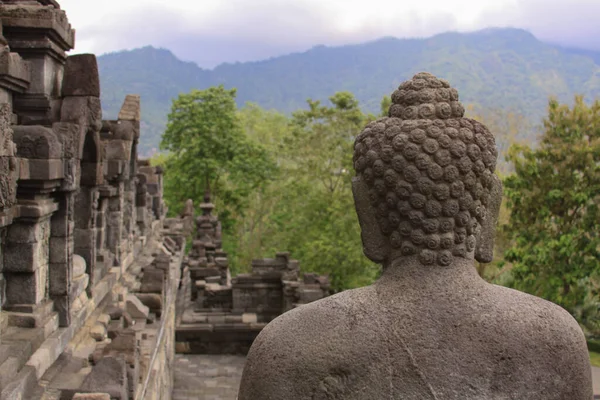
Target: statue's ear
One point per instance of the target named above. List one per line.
(484, 252)
(375, 244)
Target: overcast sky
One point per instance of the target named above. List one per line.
(210, 32)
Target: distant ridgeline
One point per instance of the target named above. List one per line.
(493, 68)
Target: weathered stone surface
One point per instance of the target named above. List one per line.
(430, 327)
(78, 266)
(36, 142)
(41, 170)
(135, 308)
(130, 110)
(109, 375)
(151, 300)
(26, 288)
(25, 257)
(84, 111)
(81, 76)
(98, 332)
(153, 281)
(91, 396)
(49, 20)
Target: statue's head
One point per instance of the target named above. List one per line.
(425, 183)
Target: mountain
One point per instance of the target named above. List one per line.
(492, 68)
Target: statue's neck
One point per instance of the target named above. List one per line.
(409, 275)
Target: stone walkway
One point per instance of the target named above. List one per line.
(207, 377)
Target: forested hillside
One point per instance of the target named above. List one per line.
(494, 68)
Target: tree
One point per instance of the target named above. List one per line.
(554, 195)
(385, 105)
(207, 149)
(316, 219)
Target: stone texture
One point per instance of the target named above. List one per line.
(36, 142)
(130, 110)
(109, 375)
(81, 76)
(430, 327)
(203, 376)
(98, 332)
(91, 396)
(78, 266)
(135, 307)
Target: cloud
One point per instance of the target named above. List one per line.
(572, 23)
(211, 32)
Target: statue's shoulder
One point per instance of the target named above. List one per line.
(295, 353)
(541, 319)
(542, 336)
(319, 319)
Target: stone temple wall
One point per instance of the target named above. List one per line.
(88, 273)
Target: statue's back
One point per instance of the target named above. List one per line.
(504, 344)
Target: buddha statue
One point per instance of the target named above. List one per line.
(430, 327)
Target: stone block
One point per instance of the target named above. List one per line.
(152, 281)
(130, 110)
(84, 208)
(114, 312)
(98, 332)
(85, 237)
(71, 175)
(104, 319)
(25, 257)
(81, 76)
(84, 111)
(109, 375)
(114, 168)
(115, 327)
(26, 288)
(28, 233)
(151, 300)
(70, 135)
(249, 318)
(62, 227)
(59, 279)
(41, 170)
(117, 149)
(135, 307)
(37, 142)
(61, 248)
(63, 307)
(91, 396)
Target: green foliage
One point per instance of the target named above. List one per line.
(207, 149)
(308, 209)
(502, 68)
(386, 103)
(595, 359)
(553, 196)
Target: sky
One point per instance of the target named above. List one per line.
(211, 32)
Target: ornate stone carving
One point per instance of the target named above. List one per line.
(37, 142)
